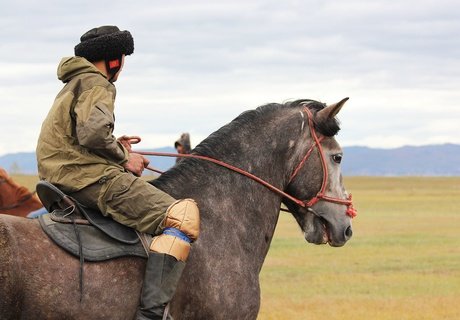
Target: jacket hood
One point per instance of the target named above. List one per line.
(70, 67)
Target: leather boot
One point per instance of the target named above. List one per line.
(162, 274)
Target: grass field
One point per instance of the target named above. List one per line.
(403, 261)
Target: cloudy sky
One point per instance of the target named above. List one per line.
(198, 64)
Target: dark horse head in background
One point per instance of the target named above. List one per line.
(238, 218)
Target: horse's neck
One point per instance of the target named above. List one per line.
(215, 186)
(238, 216)
(235, 210)
(262, 152)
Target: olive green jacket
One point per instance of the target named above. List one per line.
(76, 146)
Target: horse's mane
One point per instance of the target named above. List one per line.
(219, 139)
(328, 128)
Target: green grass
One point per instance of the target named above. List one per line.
(403, 261)
(27, 181)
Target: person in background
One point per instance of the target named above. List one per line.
(78, 153)
(183, 145)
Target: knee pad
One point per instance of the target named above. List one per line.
(182, 227)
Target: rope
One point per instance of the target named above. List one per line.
(228, 166)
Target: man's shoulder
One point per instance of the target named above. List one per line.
(93, 78)
(88, 81)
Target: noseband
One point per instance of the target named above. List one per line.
(321, 195)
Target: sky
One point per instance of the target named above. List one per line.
(199, 64)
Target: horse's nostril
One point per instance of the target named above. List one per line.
(348, 233)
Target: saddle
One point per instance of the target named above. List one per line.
(84, 232)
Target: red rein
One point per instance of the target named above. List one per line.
(303, 203)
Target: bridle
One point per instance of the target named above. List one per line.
(321, 195)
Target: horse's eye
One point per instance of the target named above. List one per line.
(337, 158)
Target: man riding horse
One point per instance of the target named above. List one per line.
(78, 153)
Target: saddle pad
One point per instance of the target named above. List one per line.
(96, 246)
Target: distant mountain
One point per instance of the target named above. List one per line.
(430, 160)
(22, 162)
(26, 163)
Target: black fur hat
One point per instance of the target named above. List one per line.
(104, 43)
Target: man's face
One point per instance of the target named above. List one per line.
(121, 68)
(180, 148)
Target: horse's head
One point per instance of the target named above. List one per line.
(326, 214)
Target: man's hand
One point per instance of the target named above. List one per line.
(136, 163)
(127, 141)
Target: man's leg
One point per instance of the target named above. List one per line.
(175, 224)
(168, 253)
(135, 203)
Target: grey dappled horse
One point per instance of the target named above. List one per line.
(39, 280)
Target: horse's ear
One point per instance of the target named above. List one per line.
(330, 111)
